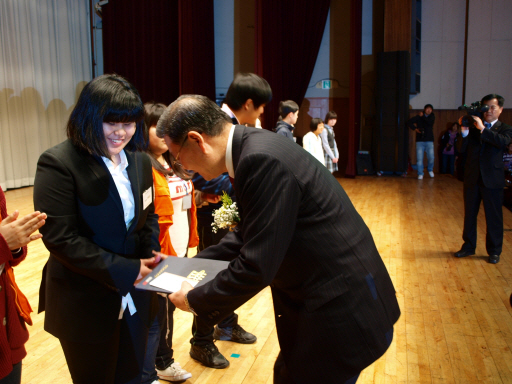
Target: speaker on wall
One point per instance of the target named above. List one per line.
(391, 139)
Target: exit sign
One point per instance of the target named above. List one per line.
(326, 84)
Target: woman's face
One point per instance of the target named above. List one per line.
(156, 144)
(332, 122)
(117, 136)
(319, 128)
(454, 128)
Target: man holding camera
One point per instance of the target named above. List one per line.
(484, 143)
(423, 124)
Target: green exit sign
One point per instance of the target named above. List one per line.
(326, 84)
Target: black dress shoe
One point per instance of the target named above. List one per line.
(209, 356)
(236, 334)
(494, 259)
(464, 253)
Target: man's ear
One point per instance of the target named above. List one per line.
(248, 105)
(197, 139)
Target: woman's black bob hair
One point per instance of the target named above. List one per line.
(106, 99)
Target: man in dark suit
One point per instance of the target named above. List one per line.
(484, 177)
(334, 301)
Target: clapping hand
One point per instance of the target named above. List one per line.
(19, 232)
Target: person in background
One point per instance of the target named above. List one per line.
(507, 158)
(288, 115)
(484, 177)
(15, 234)
(97, 190)
(329, 143)
(449, 145)
(312, 141)
(423, 125)
(176, 210)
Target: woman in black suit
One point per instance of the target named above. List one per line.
(97, 190)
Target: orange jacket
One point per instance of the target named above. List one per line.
(165, 211)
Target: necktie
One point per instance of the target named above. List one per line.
(487, 125)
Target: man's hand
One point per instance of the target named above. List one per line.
(146, 266)
(417, 130)
(478, 123)
(335, 160)
(18, 233)
(178, 298)
(211, 198)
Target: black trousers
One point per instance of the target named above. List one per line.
(493, 207)
(202, 333)
(114, 361)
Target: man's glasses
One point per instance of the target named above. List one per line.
(176, 163)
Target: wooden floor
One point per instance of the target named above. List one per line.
(456, 323)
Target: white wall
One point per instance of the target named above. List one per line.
(224, 15)
(442, 54)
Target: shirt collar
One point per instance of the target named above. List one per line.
(229, 153)
(122, 165)
(230, 113)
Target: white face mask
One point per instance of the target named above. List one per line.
(464, 132)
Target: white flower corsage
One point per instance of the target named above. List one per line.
(226, 216)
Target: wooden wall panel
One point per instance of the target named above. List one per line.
(397, 25)
(444, 119)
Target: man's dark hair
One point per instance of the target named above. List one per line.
(286, 107)
(106, 99)
(491, 96)
(247, 86)
(330, 115)
(191, 113)
(313, 125)
(428, 106)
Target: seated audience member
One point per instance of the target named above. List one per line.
(176, 210)
(244, 103)
(328, 142)
(97, 190)
(312, 141)
(449, 146)
(507, 158)
(288, 115)
(15, 234)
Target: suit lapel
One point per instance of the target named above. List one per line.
(100, 170)
(133, 175)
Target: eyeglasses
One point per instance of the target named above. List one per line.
(176, 163)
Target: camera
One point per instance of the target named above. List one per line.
(474, 109)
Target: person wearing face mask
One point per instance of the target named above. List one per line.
(288, 115)
(484, 180)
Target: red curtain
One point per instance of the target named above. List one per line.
(164, 47)
(288, 36)
(354, 116)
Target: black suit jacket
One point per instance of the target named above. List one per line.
(334, 301)
(485, 155)
(94, 258)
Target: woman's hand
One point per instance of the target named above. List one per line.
(18, 233)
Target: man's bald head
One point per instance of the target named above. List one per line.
(191, 113)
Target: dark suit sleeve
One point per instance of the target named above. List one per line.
(413, 120)
(269, 198)
(500, 138)
(55, 194)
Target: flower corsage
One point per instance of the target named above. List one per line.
(226, 216)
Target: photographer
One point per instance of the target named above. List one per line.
(484, 143)
(423, 125)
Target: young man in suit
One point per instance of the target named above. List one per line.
(245, 101)
(484, 177)
(334, 301)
